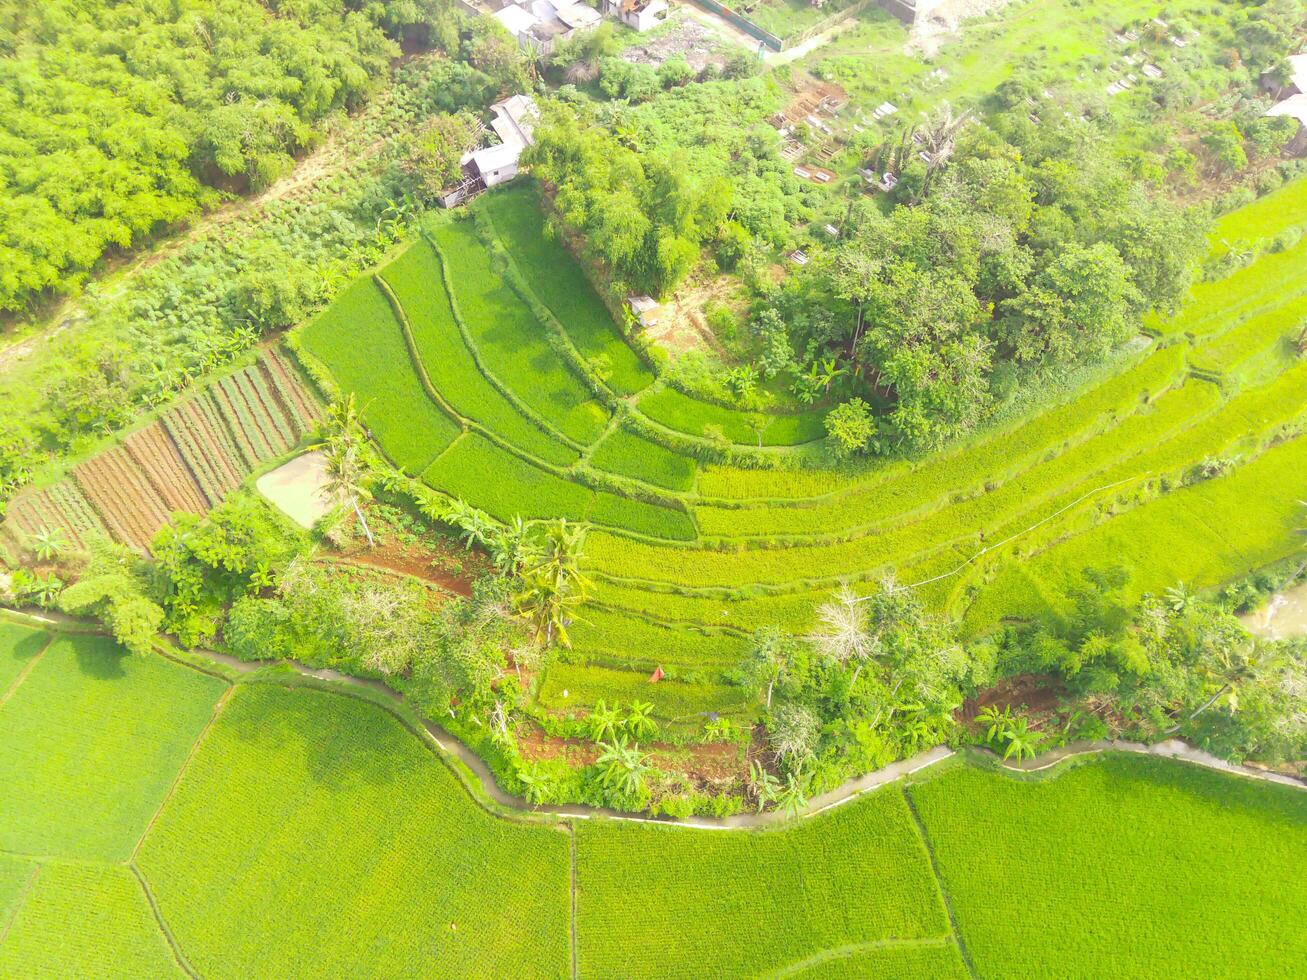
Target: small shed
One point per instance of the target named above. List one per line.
(645, 309)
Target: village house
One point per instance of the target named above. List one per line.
(514, 124)
(639, 15)
(1293, 101)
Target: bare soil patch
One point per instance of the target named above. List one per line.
(296, 488)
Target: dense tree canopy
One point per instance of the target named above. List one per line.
(120, 118)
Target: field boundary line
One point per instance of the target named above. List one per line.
(954, 931)
(527, 412)
(851, 949)
(22, 900)
(27, 669)
(181, 771)
(168, 937)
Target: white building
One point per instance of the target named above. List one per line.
(540, 24)
(639, 15)
(488, 166)
(1294, 103)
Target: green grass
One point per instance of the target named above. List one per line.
(361, 343)
(512, 343)
(629, 455)
(505, 486)
(89, 744)
(1264, 219)
(679, 411)
(575, 687)
(84, 920)
(1200, 535)
(312, 833)
(315, 835)
(19, 646)
(558, 282)
(760, 901)
(937, 961)
(416, 281)
(1127, 866)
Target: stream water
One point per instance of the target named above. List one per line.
(1284, 616)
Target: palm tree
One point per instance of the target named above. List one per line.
(50, 543)
(553, 586)
(844, 636)
(622, 767)
(345, 480)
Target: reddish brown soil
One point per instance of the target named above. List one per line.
(431, 560)
(704, 765)
(1035, 695)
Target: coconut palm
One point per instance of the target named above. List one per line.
(553, 586)
(50, 543)
(345, 480)
(843, 636)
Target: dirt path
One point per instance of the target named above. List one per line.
(449, 745)
(322, 162)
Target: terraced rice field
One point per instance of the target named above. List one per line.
(274, 827)
(187, 460)
(681, 544)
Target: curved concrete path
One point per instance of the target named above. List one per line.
(453, 747)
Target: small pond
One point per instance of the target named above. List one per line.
(1283, 616)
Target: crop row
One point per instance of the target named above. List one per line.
(418, 285)
(576, 687)
(1267, 217)
(693, 416)
(957, 469)
(1057, 478)
(451, 890)
(1201, 535)
(62, 506)
(131, 507)
(1143, 820)
(187, 460)
(361, 342)
(504, 485)
(760, 901)
(1261, 333)
(1213, 307)
(628, 455)
(904, 492)
(512, 344)
(613, 636)
(557, 280)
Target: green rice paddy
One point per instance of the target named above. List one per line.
(306, 830)
(532, 369)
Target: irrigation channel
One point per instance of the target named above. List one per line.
(453, 748)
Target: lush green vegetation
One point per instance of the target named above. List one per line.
(410, 428)
(328, 798)
(750, 886)
(297, 800)
(113, 729)
(1072, 848)
(77, 919)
